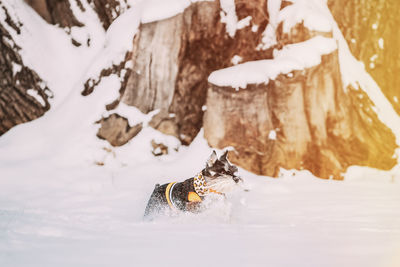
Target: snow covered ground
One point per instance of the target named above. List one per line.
(58, 207)
(60, 213)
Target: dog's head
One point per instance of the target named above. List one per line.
(220, 174)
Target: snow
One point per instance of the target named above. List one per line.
(164, 10)
(133, 114)
(381, 43)
(72, 213)
(236, 59)
(33, 93)
(268, 37)
(16, 68)
(292, 57)
(308, 12)
(274, 7)
(243, 22)
(272, 135)
(308, 52)
(254, 28)
(354, 74)
(153, 10)
(374, 57)
(118, 41)
(253, 72)
(47, 49)
(228, 16)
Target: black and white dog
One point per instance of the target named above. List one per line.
(218, 177)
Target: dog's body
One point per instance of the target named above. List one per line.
(177, 196)
(218, 177)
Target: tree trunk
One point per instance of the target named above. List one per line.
(172, 59)
(40, 6)
(23, 95)
(371, 30)
(55, 12)
(319, 125)
(155, 56)
(108, 10)
(59, 11)
(304, 121)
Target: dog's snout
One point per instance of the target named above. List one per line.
(236, 179)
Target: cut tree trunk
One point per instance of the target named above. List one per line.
(172, 59)
(371, 31)
(305, 120)
(155, 55)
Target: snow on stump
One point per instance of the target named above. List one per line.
(291, 112)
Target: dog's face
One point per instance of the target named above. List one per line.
(220, 174)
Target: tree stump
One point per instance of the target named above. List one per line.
(304, 120)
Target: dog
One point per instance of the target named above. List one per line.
(218, 177)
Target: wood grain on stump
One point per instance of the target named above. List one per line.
(319, 126)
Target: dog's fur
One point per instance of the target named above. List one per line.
(219, 178)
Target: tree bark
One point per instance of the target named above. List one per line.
(172, 59)
(107, 10)
(59, 11)
(40, 6)
(155, 55)
(56, 12)
(319, 125)
(371, 30)
(23, 95)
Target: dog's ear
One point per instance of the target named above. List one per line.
(212, 159)
(224, 157)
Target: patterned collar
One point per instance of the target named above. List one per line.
(200, 185)
(201, 188)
